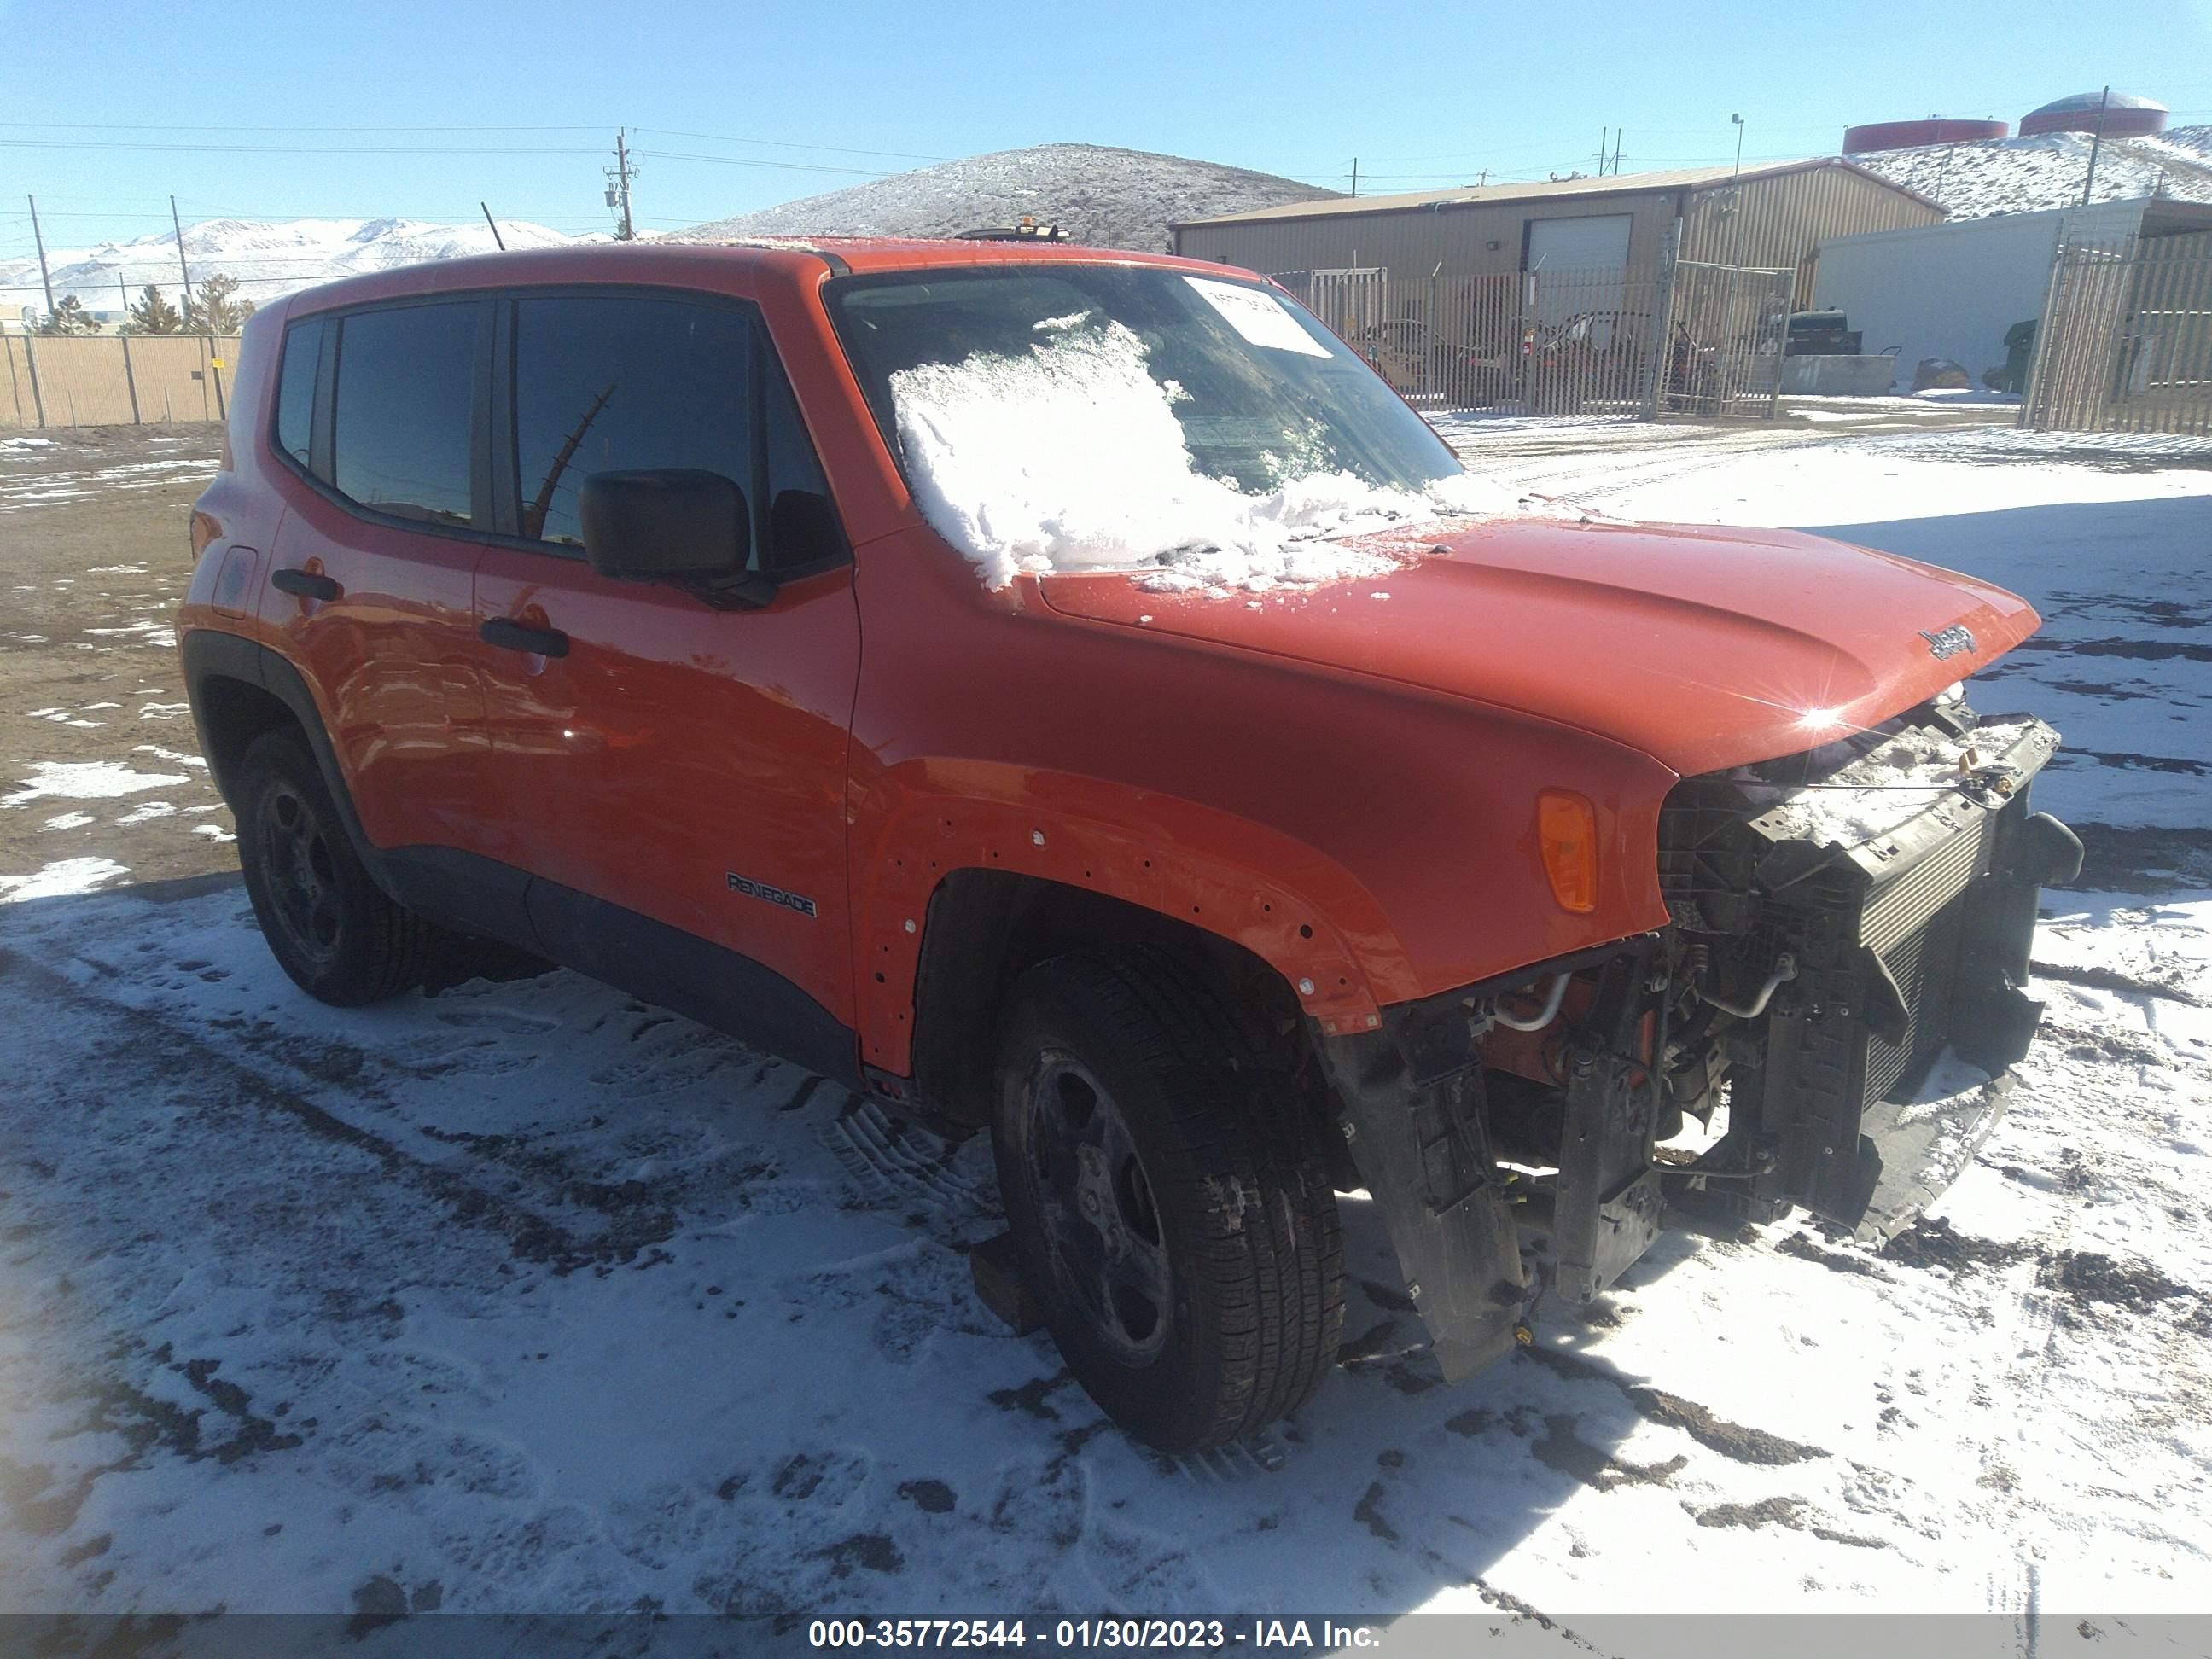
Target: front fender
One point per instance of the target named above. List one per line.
(1307, 917)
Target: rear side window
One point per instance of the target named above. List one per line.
(296, 388)
(611, 383)
(402, 418)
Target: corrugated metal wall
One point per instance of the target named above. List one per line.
(1776, 221)
(1413, 242)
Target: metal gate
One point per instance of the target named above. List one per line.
(1610, 342)
(2126, 340)
(1730, 325)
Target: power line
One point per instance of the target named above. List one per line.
(756, 161)
(297, 149)
(786, 144)
(232, 126)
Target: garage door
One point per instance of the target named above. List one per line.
(1575, 272)
(1579, 244)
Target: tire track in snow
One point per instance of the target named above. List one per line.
(167, 1048)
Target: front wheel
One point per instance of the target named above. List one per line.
(1175, 1220)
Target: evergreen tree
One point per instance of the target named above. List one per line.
(153, 314)
(68, 316)
(214, 307)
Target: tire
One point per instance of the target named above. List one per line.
(1175, 1220)
(329, 926)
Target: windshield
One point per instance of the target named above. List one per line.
(1263, 393)
(1059, 416)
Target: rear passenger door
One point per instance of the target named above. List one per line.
(370, 589)
(675, 768)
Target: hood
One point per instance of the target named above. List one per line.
(1703, 648)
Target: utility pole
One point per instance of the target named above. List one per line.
(183, 269)
(618, 178)
(2096, 143)
(47, 281)
(1738, 120)
(1619, 133)
(1355, 175)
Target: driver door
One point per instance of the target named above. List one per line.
(669, 763)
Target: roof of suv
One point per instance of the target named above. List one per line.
(665, 260)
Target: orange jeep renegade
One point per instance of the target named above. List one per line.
(707, 620)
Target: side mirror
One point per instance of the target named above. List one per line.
(804, 529)
(669, 521)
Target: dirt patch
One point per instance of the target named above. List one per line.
(2107, 979)
(1369, 1513)
(1932, 1242)
(2089, 1281)
(2089, 1277)
(1030, 1398)
(930, 1497)
(99, 555)
(1836, 1261)
(2132, 650)
(1562, 1450)
(1788, 1512)
(1735, 1441)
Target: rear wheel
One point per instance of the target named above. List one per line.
(329, 926)
(1174, 1218)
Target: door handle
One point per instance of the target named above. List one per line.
(509, 634)
(305, 585)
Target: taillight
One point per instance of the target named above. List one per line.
(1566, 833)
(205, 530)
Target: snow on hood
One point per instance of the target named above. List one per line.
(1071, 458)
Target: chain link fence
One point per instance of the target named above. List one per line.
(114, 380)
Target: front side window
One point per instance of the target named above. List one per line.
(403, 417)
(614, 382)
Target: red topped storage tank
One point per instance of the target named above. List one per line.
(1912, 135)
(2123, 116)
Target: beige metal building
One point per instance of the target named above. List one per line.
(1773, 217)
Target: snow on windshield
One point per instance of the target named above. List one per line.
(1071, 458)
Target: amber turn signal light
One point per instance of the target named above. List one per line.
(1566, 833)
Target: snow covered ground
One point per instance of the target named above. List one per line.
(526, 1296)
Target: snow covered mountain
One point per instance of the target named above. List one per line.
(1102, 197)
(2024, 175)
(270, 260)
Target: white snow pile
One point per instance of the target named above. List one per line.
(84, 780)
(61, 879)
(1071, 458)
(1881, 790)
(1100, 196)
(2048, 170)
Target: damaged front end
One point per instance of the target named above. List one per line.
(1839, 993)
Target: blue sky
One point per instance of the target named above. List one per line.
(264, 111)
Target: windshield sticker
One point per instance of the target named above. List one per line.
(1258, 316)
